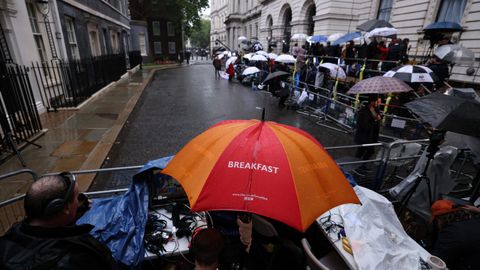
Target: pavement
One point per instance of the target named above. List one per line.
(79, 139)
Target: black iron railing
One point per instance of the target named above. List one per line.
(67, 84)
(18, 115)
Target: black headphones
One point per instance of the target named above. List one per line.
(57, 204)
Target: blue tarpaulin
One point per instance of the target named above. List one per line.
(120, 220)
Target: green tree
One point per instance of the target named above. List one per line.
(200, 36)
(189, 12)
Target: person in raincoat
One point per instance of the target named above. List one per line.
(368, 128)
(230, 71)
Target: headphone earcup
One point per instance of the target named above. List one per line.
(54, 207)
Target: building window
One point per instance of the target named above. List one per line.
(104, 41)
(40, 47)
(157, 47)
(142, 43)
(451, 11)
(114, 41)
(94, 43)
(32, 16)
(156, 28)
(384, 10)
(37, 36)
(170, 29)
(171, 48)
(72, 38)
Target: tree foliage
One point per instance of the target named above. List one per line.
(189, 11)
(200, 36)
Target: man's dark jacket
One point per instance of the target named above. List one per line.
(32, 247)
(367, 128)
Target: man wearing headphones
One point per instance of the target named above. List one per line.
(48, 237)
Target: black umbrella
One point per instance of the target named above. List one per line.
(372, 24)
(274, 75)
(448, 113)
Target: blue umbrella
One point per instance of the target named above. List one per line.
(448, 26)
(346, 38)
(317, 39)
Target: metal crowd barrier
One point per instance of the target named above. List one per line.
(333, 107)
(386, 170)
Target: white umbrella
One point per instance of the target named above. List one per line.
(299, 37)
(381, 32)
(258, 57)
(264, 53)
(334, 37)
(455, 53)
(242, 38)
(230, 60)
(286, 58)
(335, 71)
(272, 56)
(227, 53)
(220, 56)
(250, 71)
(248, 56)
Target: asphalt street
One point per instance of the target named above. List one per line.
(183, 102)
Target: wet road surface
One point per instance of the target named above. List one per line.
(183, 102)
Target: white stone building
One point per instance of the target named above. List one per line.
(218, 15)
(277, 20)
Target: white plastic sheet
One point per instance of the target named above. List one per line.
(377, 238)
(440, 181)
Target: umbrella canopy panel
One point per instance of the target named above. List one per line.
(335, 70)
(265, 168)
(299, 37)
(230, 60)
(250, 71)
(372, 24)
(258, 57)
(444, 27)
(449, 113)
(334, 37)
(317, 39)
(286, 58)
(413, 74)
(379, 85)
(274, 75)
(382, 32)
(346, 38)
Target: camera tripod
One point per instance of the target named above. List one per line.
(431, 150)
(8, 140)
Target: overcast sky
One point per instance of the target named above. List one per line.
(206, 13)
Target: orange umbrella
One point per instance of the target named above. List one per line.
(260, 167)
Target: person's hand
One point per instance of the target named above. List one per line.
(245, 230)
(472, 208)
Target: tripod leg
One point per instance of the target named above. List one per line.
(408, 196)
(12, 145)
(25, 141)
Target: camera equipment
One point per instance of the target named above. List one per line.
(155, 234)
(436, 138)
(8, 142)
